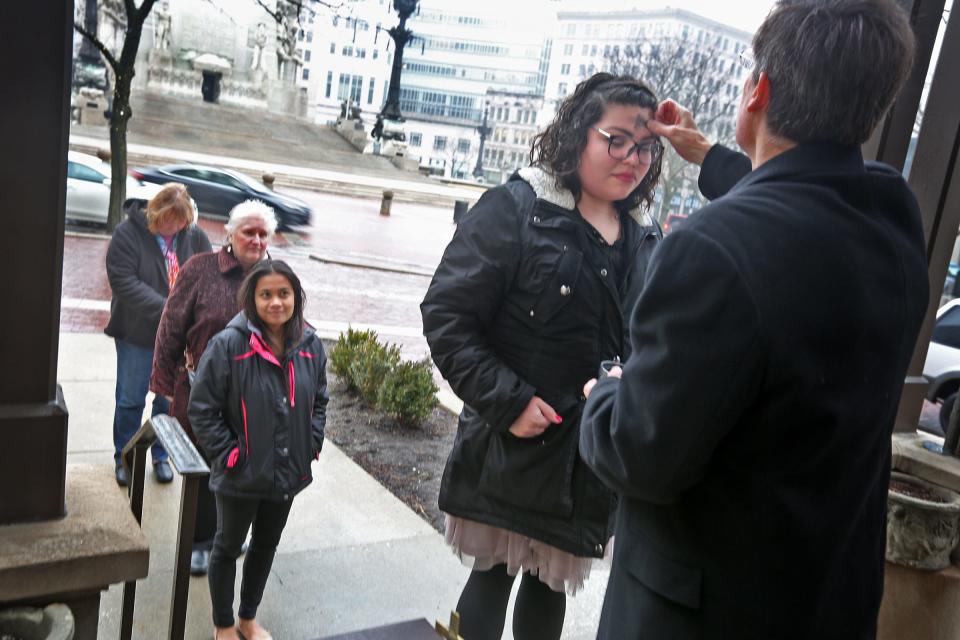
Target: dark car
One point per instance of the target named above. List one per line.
(216, 191)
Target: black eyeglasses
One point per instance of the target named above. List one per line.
(621, 147)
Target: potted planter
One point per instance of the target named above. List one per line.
(923, 523)
(55, 622)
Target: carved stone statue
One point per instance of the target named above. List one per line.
(287, 29)
(113, 25)
(259, 44)
(161, 27)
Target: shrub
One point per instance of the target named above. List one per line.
(344, 352)
(371, 362)
(408, 393)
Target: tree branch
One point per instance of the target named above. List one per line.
(99, 45)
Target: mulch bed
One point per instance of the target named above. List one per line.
(408, 462)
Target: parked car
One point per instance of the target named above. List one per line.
(216, 191)
(950, 285)
(88, 188)
(942, 367)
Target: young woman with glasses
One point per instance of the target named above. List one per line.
(532, 293)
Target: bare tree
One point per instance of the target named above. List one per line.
(696, 76)
(122, 68)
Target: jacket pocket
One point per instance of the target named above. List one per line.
(532, 473)
(672, 580)
(560, 286)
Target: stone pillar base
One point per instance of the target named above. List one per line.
(39, 479)
(73, 559)
(920, 604)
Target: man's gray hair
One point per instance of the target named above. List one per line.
(251, 210)
(835, 66)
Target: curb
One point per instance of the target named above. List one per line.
(374, 266)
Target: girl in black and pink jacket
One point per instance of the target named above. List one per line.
(258, 409)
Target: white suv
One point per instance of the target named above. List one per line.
(942, 367)
(88, 188)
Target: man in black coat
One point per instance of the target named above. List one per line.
(749, 435)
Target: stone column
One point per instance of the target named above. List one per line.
(34, 125)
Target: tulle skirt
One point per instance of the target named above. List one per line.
(481, 547)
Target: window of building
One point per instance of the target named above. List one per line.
(463, 145)
(329, 84)
(506, 114)
(585, 50)
(593, 50)
(309, 36)
(361, 52)
(415, 139)
(562, 89)
(343, 91)
(370, 92)
(333, 47)
(565, 69)
(499, 113)
(356, 87)
(583, 70)
(568, 49)
(306, 73)
(307, 55)
(376, 54)
(440, 143)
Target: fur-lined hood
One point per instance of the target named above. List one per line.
(546, 188)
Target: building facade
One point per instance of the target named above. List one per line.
(464, 53)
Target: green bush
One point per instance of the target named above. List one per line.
(408, 393)
(344, 352)
(371, 363)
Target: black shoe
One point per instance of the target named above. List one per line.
(162, 472)
(122, 478)
(199, 562)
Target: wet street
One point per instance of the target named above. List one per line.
(384, 293)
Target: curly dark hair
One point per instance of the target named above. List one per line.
(557, 148)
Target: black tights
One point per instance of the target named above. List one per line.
(537, 613)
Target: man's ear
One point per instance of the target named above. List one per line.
(760, 96)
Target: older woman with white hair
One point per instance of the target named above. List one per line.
(200, 306)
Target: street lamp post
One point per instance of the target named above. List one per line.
(484, 131)
(401, 36)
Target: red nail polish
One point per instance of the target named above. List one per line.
(559, 419)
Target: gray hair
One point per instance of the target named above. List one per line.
(251, 210)
(835, 66)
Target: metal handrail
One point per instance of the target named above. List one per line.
(193, 468)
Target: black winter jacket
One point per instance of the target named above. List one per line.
(137, 272)
(526, 302)
(272, 411)
(749, 437)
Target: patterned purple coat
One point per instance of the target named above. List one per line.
(200, 306)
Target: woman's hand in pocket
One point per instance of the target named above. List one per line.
(535, 419)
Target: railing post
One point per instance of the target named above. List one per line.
(135, 493)
(193, 470)
(181, 571)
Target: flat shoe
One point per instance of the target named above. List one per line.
(199, 562)
(162, 472)
(121, 475)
